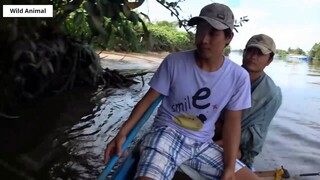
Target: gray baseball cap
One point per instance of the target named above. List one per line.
(264, 42)
(217, 15)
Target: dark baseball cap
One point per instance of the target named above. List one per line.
(217, 15)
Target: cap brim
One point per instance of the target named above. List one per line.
(263, 49)
(214, 23)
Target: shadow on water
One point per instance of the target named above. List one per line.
(64, 137)
(29, 142)
(87, 139)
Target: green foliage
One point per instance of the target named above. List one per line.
(297, 51)
(175, 9)
(51, 55)
(166, 37)
(108, 23)
(128, 37)
(227, 50)
(122, 32)
(314, 53)
(282, 53)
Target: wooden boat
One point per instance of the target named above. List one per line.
(126, 170)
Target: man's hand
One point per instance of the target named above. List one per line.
(220, 143)
(228, 174)
(114, 147)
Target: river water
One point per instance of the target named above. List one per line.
(293, 139)
(294, 134)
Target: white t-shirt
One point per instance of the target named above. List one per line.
(194, 98)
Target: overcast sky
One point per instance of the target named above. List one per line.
(291, 23)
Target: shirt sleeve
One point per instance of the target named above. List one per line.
(251, 143)
(161, 80)
(241, 99)
(253, 137)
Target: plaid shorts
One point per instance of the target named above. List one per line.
(163, 149)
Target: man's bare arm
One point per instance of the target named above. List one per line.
(115, 145)
(231, 137)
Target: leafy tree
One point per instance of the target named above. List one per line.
(314, 53)
(48, 55)
(166, 37)
(300, 51)
(227, 50)
(282, 53)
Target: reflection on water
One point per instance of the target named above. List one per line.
(293, 139)
(85, 156)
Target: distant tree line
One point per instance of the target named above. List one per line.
(314, 53)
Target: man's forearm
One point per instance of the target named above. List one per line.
(231, 140)
(251, 142)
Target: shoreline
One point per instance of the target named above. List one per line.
(148, 56)
(131, 61)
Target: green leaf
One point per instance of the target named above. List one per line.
(109, 33)
(78, 18)
(97, 21)
(120, 29)
(93, 28)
